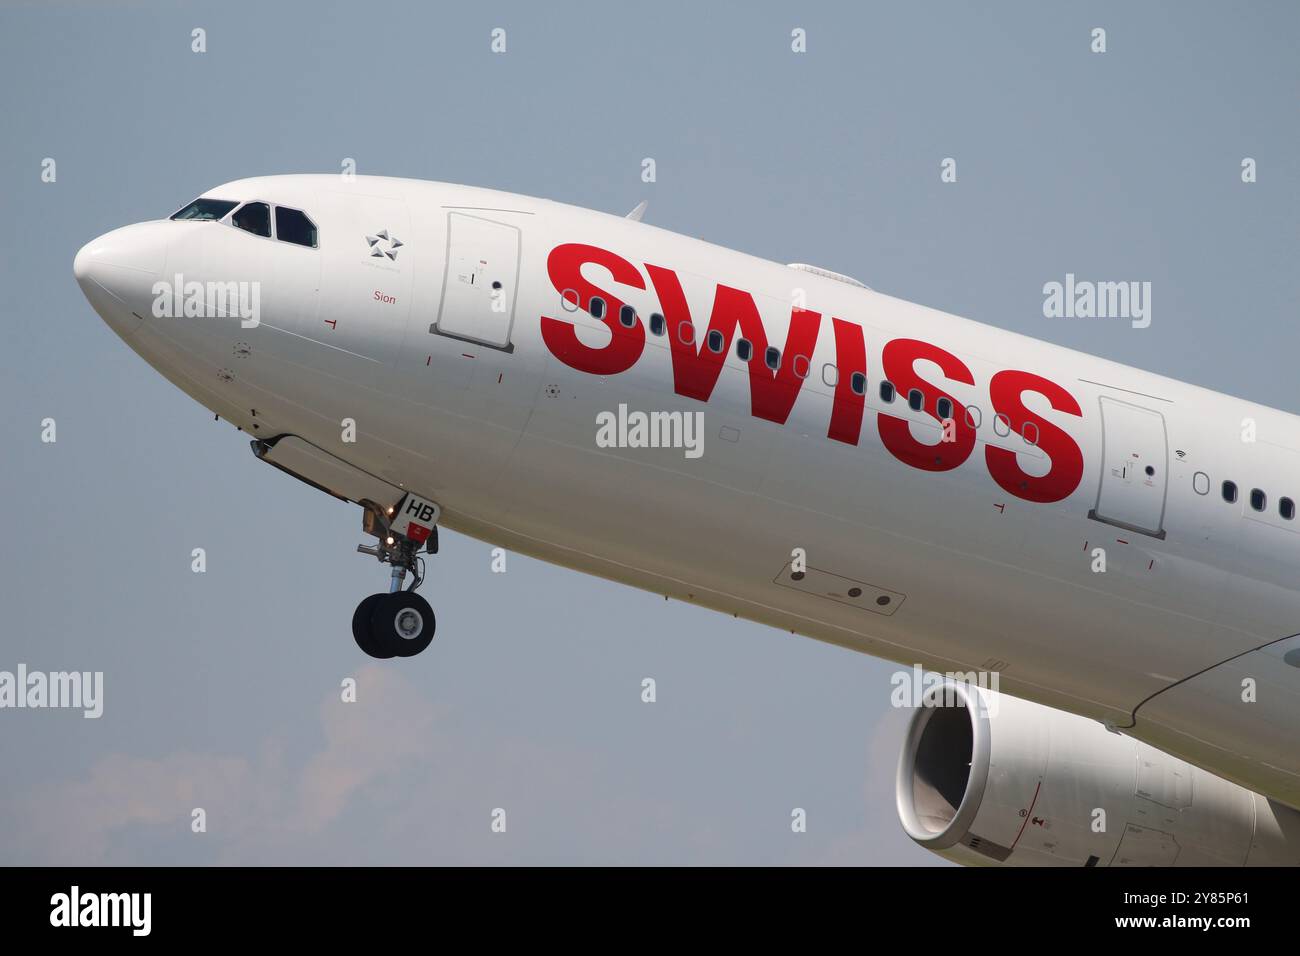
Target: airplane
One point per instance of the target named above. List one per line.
(786, 445)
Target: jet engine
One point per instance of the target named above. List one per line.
(986, 779)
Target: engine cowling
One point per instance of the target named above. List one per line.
(986, 779)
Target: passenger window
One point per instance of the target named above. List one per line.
(656, 324)
(596, 307)
(944, 408)
(772, 357)
(1258, 500)
(292, 225)
(715, 341)
(830, 375)
(1030, 433)
(886, 391)
(627, 316)
(802, 366)
(974, 417)
(1286, 508)
(1230, 492)
(744, 351)
(686, 333)
(1001, 425)
(208, 209)
(254, 217)
(915, 400)
(858, 383)
(1201, 483)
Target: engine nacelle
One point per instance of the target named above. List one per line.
(986, 779)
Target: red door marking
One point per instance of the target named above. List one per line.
(1027, 813)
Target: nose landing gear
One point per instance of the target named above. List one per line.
(400, 623)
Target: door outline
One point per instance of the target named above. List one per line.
(436, 327)
(1094, 513)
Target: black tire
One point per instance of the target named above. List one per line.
(363, 633)
(402, 623)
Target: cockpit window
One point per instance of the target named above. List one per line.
(206, 209)
(292, 225)
(254, 217)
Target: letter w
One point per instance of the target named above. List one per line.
(696, 367)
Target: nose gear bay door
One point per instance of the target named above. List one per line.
(480, 281)
(1134, 471)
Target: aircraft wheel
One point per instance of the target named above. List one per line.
(401, 623)
(362, 631)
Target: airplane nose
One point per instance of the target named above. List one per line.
(117, 271)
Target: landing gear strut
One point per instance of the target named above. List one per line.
(399, 623)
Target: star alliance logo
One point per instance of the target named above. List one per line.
(377, 244)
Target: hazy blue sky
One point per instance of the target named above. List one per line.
(222, 689)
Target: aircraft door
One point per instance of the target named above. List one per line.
(480, 280)
(1134, 471)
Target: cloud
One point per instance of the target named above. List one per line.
(251, 804)
(399, 779)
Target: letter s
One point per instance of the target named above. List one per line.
(898, 359)
(564, 266)
(1005, 392)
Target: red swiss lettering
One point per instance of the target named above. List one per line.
(564, 266)
(898, 359)
(1005, 392)
(847, 405)
(696, 367)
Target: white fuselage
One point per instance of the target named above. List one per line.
(976, 553)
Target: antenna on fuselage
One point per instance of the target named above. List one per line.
(636, 214)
